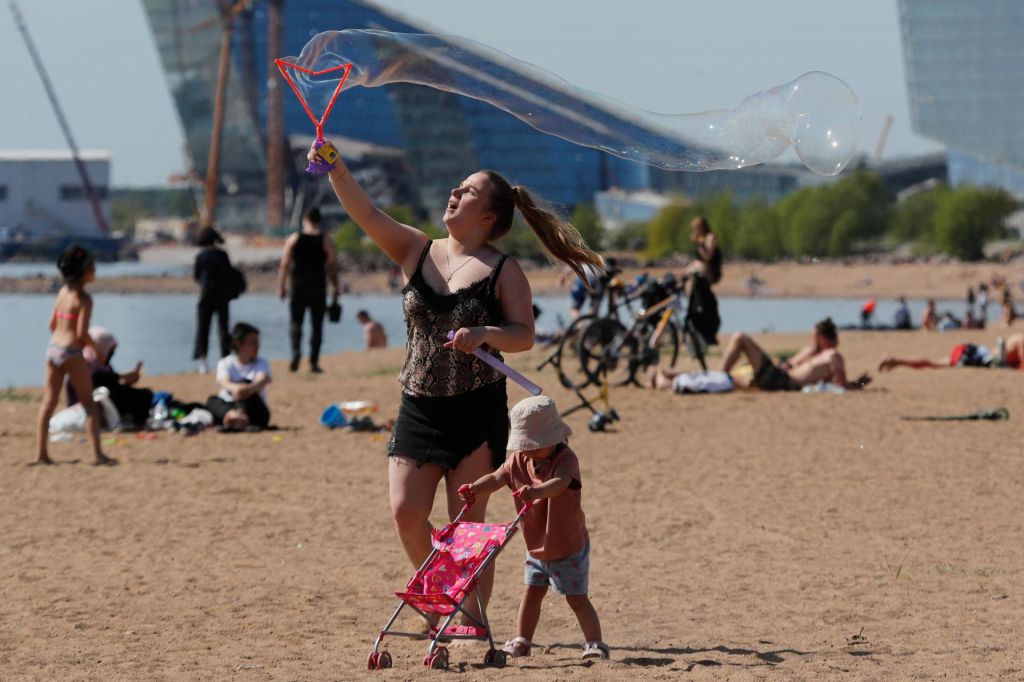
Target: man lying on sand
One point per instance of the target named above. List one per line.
(820, 361)
(964, 355)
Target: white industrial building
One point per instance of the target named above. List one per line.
(42, 194)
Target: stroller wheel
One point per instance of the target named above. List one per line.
(439, 661)
(383, 660)
(371, 662)
(497, 658)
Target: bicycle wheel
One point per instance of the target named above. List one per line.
(605, 347)
(567, 360)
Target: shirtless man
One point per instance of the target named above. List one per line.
(820, 361)
(964, 355)
(373, 331)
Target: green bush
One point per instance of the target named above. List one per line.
(966, 218)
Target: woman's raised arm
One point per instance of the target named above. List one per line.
(401, 243)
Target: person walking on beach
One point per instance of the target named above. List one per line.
(310, 258)
(69, 324)
(453, 419)
(212, 271)
(545, 472)
(373, 331)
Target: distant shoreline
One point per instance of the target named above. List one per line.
(825, 279)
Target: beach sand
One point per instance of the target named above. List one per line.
(742, 536)
(828, 279)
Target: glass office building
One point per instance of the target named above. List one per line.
(965, 75)
(441, 135)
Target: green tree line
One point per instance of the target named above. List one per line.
(851, 216)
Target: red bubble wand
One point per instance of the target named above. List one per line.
(327, 152)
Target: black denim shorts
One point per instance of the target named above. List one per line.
(446, 430)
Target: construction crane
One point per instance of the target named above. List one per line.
(90, 190)
(883, 138)
(227, 18)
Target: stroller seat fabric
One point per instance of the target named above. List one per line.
(444, 582)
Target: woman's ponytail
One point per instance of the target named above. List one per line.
(558, 236)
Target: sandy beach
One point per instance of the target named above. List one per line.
(743, 536)
(827, 279)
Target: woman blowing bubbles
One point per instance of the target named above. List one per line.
(453, 419)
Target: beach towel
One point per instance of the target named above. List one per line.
(702, 382)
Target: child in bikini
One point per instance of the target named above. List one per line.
(544, 471)
(69, 323)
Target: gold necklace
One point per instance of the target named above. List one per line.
(448, 263)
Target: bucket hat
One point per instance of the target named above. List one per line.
(535, 423)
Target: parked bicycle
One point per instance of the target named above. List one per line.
(622, 354)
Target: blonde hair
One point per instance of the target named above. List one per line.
(557, 235)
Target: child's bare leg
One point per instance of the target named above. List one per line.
(81, 378)
(529, 611)
(52, 382)
(586, 615)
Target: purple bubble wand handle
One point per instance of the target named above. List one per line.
(320, 167)
(531, 388)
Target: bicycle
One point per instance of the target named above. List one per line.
(608, 347)
(612, 293)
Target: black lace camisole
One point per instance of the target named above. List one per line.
(431, 370)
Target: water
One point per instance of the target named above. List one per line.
(117, 269)
(158, 329)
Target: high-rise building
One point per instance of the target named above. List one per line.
(965, 76)
(443, 136)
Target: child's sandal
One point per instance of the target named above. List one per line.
(595, 650)
(518, 647)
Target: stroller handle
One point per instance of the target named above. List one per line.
(526, 503)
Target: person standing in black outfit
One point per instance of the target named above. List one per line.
(212, 271)
(310, 258)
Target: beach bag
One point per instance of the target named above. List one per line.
(703, 310)
(69, 420)
(234, 283)
(72, 419)
(111, 417)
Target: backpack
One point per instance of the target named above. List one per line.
(234, 282)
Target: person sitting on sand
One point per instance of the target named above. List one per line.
(132, 402)
(373, 331)
(820, 361)
(243, 377)
(964, 355)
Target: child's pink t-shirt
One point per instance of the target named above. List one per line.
(555, 527)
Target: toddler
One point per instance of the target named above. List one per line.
(545, 472)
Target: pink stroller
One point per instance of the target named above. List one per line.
(444, 583)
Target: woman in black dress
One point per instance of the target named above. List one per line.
(453, 421)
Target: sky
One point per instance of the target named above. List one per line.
(669, 56)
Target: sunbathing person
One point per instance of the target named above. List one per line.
(820, 361)
(964, 355)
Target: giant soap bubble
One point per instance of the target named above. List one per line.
(817, 113)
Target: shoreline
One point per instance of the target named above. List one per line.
(824, 279)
